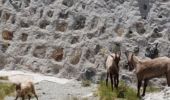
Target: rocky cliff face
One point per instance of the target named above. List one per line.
(69, 38)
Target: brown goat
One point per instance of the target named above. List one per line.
(148, 68)
(112, 66)
(25, 89)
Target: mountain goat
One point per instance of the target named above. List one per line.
(25, 89)
(112, 66)
(147, 69)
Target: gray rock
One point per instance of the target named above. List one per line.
(46, 34)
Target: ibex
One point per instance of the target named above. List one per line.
(112, 66)
(147, 69)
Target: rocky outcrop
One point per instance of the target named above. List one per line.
(163, 95)
(66, 37)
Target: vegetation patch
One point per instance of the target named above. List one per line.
(103, 52)
(3, 77)
(86, 83)
(6, 89)
(151, 88)
(124, 92)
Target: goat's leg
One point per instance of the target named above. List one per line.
(139, 85)
(107, 76)
(23, 97)
(144, 86)
(29, 97)
(16, 97)
(36, 96)
(111, 79)
(168, 78)
(117, 80)
(33, 91)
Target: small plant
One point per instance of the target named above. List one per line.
(103, 51)
(105, 93)
(123, 92)
(6, 89)
(86, 83)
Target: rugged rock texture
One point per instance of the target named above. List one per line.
(69, 38)
(163, 95)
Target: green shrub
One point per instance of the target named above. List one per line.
(6, 89)
(123, 92)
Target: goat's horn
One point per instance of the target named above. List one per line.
(111, 56)
(156, 44)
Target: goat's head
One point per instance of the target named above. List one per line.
(116, 58)
(129, 57)
(152, 51)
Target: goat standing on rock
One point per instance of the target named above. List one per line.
(112, 66)
(147, 69)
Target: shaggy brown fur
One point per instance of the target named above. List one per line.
(149, 68)
(112, 67)
(25, 89)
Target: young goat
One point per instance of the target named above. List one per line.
(25, 89)
(148, 68)
(112, 67)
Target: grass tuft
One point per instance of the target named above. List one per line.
(123, 92)
(6, 89)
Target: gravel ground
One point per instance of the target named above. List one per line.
(54, 91)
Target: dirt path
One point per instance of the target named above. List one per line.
(21, 76)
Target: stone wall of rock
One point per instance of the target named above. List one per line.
(67, 37)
